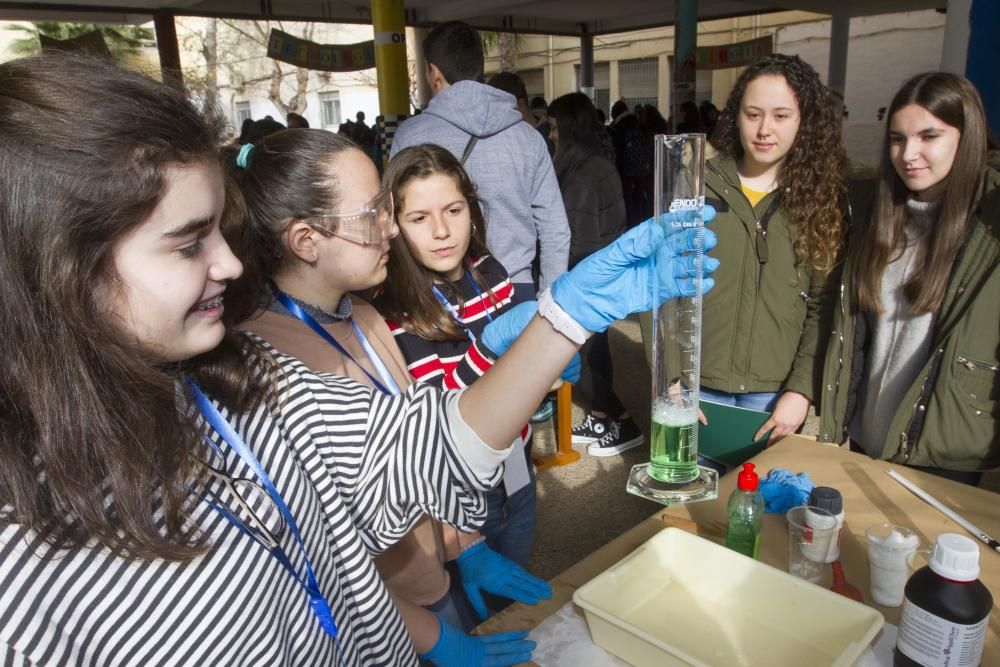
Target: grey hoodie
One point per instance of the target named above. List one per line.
(511, 168)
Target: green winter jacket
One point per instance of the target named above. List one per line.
(760, 326)
(949, 416)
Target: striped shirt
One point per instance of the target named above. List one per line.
(456, 364)
(357, 469)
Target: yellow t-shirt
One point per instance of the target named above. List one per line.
(752, 195)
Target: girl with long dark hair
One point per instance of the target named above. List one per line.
(315, 230)
(913, 370)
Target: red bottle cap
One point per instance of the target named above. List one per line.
(747, 480)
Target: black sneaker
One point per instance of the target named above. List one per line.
(621, 436)
(590, 430)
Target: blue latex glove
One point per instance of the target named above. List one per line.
(617, 281)
(572, 372)
(457, 649)
(782, 490)
(484, 570)
(501, 333)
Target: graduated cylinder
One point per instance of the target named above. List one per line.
(673, 474)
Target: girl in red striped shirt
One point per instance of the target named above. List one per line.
(443, 288)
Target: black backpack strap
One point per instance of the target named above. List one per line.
(468, 148)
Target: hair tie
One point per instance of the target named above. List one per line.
(242, 160)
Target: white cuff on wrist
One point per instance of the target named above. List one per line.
(560, 319)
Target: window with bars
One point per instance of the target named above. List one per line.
(241, 112)
(329, 109)
(638, 81)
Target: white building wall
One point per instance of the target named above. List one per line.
(884, 51)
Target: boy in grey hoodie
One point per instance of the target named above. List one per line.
(509, 163)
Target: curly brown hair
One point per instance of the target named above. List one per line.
(812, 173)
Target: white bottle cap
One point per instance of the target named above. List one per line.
(955, 557)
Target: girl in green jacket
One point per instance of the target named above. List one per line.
(776, 183)
(913, 372)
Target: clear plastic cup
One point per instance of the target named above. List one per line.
(890, 552)
(810, 532)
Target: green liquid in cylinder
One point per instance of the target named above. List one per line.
(673, 444)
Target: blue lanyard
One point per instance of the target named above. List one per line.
(389, 386)
(317, 602)
(454, 313)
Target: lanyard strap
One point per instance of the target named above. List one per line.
(317, 602)
(454, 313)
(386, 386)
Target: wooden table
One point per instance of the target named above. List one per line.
(870, 497)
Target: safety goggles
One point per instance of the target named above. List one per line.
(244, 502)
(369, 226)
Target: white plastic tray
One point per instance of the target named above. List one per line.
(682, 600)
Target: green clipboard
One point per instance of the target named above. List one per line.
(728, 437)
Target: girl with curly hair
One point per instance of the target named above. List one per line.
(776, 183)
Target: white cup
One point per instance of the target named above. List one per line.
(890, 553)
(810, 532)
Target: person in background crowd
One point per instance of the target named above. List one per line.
(911, 375)
(592, 194)
(362, 134)
(690, 121)
(296, 121)
(173, 490)
(261, 128)
(777, 184)
(512, 171)
(709, 117)
(632, 159)
(244, 130)
(538, 108)
(512, 83)
(604, 136)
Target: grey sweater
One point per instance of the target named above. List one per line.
(900, 341)
(511, 168)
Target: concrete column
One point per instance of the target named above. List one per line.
(685, 43)
(840, 33)
(956, 36)
(614, 87)
(663, 96)
(415, 38)
(389, 23)
(587, 63)
(166, 45)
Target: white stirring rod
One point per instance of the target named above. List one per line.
(944, 509)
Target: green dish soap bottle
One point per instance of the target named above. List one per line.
(745, 509)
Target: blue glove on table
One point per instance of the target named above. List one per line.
(454, 648)
(782, 490)
(484, 570)
(617, 281)
(501, 333)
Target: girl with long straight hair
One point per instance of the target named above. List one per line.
(913, 374)
(443, 291)
(174, 491)
(777, 183)
(317, 228)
